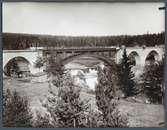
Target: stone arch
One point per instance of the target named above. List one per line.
(134, 57)
(9, 56)
(152, 57)
(16, 62)
(29, 55)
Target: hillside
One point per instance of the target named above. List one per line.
(24, 41)
(139, 114)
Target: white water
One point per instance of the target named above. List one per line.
(89, 76)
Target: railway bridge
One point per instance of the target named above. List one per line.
(139, 55)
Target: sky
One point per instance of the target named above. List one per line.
(83, 19)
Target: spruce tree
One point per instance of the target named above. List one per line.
(126, 76)
(104, 91)
(153, 82)
(107, 104)
(65, 106)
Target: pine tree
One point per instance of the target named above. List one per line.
(16, 112)
(153, 82)
(126, 76)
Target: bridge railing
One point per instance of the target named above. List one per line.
(86, 47)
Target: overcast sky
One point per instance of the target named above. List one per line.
(83, 18)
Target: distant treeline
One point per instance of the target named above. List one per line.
(24, 41)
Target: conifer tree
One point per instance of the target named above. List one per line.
(126, 76)
(104, 91)
(153, 82)
(65, 106)
(106, 102)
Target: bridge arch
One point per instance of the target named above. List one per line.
(29, 55)
(9, 56)
(152, 57)
(14, 63)
(134, 58)
(111, 64)
(106, 60)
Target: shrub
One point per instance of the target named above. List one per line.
(16, 111)
(42, 121)
(39, 62)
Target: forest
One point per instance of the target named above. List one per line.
(16, 41)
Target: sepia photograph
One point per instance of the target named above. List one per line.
(83, 64)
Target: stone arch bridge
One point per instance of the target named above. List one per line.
(109, 55)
